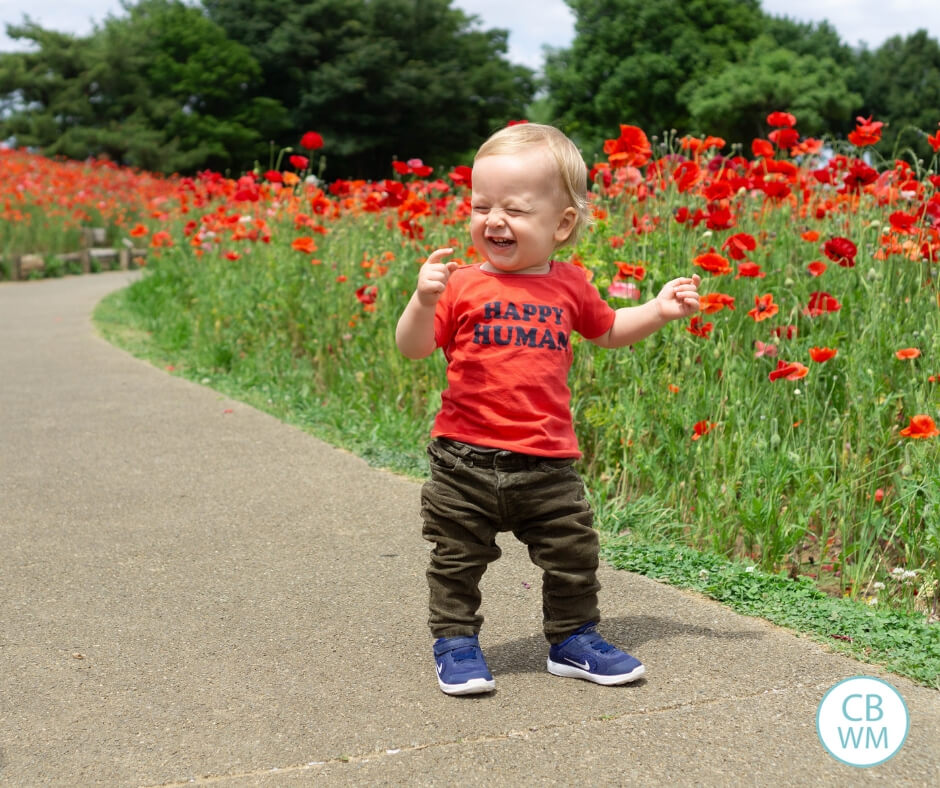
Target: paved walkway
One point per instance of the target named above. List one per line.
(191, 591)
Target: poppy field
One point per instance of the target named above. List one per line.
(792, 423)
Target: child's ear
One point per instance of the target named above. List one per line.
(566, 225)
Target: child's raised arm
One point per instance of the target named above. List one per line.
(414, 334)
(677, 299)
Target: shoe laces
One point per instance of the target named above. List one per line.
(596, 642)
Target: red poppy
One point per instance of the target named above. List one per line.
(461, 174)
(717, 190)
(934, 141)
(907, 353)
(738, 245)
(781, 119)
(686, 175)
(713, 142)
(412, 167)
(311, 141)
(789, 370)
(367, 295)
(698, 328)
(762, 149)
(816, 268)
(626, 270)
(859, 175)
(902, 222)
(631, 148)
(920, 426)
(866, 132)
(713, 262)
(719, 217)
(600, 172)
(822, 354)
(715, 302)
(820, 303)
(841, 250)
(138, 230)
(764, 307)
(810, 235)
(273, 176)
(749, 270)
(701, 428)
(299, 162)
(304, 244)
(784, 138)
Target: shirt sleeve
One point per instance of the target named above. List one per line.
(596, 316)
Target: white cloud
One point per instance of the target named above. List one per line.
(532, 24)
(871, 21)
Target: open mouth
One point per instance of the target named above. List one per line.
(501, 243)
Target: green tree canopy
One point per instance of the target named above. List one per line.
(380, 79)
(900, 85)
(638, 61)
(161, 88)
(734, 102)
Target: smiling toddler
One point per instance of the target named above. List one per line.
(503, 444)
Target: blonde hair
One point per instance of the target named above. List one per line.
(568, 160)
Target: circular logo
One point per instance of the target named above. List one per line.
(862, 721)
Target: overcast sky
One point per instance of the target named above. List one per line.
(534, 23)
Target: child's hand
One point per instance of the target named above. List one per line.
(433, 276)
(679, 298)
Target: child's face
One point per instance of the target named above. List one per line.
(520, 215)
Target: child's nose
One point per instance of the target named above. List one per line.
(495, 219)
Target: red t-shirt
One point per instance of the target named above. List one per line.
(507, 340)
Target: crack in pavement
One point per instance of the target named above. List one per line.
(491, 737)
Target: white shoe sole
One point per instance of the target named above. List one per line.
(472, 687)
(571, 672)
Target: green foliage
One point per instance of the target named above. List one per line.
(733, 102)
(161, 88)
(722, 66)
(637, 62)
(900, 84)
(904, 643)
(380, 79)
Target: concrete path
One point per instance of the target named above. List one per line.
(193, 592)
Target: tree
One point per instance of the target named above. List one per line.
(638, 62)
(735, 102)
(380, 78)
(162, 88)
(900, 85)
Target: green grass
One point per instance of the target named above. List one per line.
(903, 642)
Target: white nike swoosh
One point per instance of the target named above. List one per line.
(585, 666)
(440, 667)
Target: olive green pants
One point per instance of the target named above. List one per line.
(472, 495)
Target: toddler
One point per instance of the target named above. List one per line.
(503, 445)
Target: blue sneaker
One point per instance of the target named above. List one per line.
(461, 669)
(586, 655)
